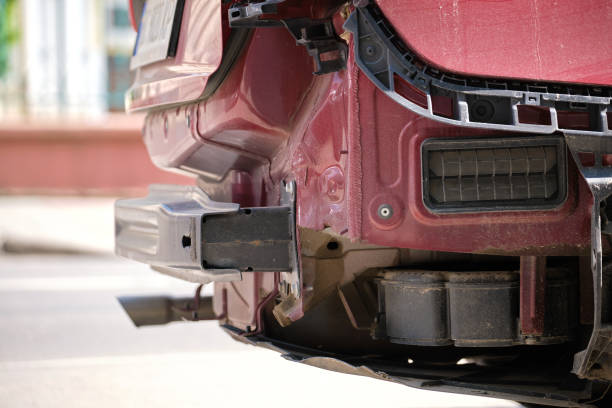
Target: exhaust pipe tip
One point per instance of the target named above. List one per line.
(158, 310)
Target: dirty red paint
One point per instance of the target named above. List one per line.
(541, 40)
(533, 295)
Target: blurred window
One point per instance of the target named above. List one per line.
(121, 17)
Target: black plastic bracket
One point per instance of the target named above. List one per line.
(318, 36)
(595, 362)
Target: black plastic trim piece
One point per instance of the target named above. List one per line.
(496, 143)
(238, 38)
(176, 28)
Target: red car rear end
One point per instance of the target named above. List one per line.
(388, 188)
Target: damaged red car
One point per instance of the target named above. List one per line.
(410, 190)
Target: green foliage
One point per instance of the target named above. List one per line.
(8, 32)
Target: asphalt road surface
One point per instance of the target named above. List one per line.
(65, 342)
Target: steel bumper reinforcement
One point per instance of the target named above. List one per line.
(181, 232)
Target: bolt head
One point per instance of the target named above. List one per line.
(385, 211)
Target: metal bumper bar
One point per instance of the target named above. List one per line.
(180, 231)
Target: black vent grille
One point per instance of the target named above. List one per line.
(521, 173)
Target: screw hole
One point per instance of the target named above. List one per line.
(186, 241)
(385, 211)
(249, 269)
(332, 245)
(247, 211)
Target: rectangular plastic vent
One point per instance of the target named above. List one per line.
(472, 175)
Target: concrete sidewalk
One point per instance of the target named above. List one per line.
(57, 224)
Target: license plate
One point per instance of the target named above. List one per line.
(158, 32)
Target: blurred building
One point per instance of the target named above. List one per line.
(70, 57)
(64, 69)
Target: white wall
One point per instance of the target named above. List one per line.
(65, 57)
